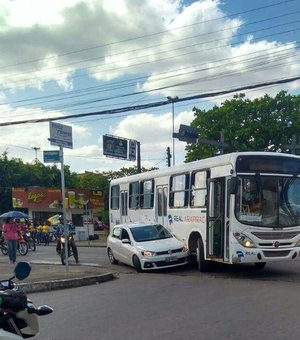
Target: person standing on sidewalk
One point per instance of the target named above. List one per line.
(11, 234)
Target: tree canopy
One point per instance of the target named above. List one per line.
(247, 125)
(15, 173)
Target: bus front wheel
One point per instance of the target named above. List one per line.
(203, 265)
(260, 265)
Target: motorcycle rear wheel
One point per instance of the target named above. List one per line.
(4, 249)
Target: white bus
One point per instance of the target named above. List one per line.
(235, 208)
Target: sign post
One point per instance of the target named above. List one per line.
(61, 135)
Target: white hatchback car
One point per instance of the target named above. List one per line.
(145, 247)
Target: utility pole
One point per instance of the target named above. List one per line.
(173, 100)
(36, 150)
(168, 157)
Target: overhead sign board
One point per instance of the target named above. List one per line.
(132, 150)
(51, 156)
(61, 135)
(115, 147)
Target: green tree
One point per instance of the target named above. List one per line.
(247, 125)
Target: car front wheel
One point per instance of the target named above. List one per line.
(111, 257)
(137, 264)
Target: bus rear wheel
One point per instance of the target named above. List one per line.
(203, 265)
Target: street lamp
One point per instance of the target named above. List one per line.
(36, 150)
(173, 100)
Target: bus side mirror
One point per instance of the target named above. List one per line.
(234, 182)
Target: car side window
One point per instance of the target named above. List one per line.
(117, 233)
(124, 234)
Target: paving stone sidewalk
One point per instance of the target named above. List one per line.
(48, 276)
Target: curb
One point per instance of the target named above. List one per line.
(43, 286)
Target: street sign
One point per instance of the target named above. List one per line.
(51, 156)
(132, 150)
(61, 135)
(115, 147)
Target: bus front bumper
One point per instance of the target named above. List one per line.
(253, 255)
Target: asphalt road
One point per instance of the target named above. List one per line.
(279, 271)
(161, 306)
(232, 302)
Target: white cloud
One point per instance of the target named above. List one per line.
(160, 43)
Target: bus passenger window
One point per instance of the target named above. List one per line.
(147, 194)
(134, 198)
(179, 189)
(198, 189)
(114, 197)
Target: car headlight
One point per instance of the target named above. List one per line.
(148, 253)
(245, 241)
(185, 249)
(298, 244)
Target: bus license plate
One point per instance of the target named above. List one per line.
(171, 258)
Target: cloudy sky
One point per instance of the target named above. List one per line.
(68, 57)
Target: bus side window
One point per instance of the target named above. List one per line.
(179, 190)
(198, 192)
(114, 197)
(147, 194)
(134, 195)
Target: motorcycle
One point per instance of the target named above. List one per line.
(22, 246)
(29, 240)
(72, 249)
(23, 324)
(3, 246)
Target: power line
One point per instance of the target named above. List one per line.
(123, 84)
(170, 50)
(156, 104)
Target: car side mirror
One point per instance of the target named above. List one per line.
(126, 241)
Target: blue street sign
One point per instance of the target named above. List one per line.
(51, 156)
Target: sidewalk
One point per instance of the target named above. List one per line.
(46, 276)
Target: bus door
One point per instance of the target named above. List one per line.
(161, 205)
(123, 207)
(216, 218)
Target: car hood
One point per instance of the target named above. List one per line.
(160, 245)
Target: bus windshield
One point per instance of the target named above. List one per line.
(268, 201)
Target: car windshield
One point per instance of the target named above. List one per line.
(149, 233)
(268, 201)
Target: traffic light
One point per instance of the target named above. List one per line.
(188, 134)
(168, 157)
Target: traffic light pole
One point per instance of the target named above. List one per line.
(168, 157)
(138, 157)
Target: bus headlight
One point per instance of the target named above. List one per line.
(245, 241)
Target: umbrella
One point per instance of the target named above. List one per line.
(13, 214)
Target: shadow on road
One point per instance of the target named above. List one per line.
(272, 272)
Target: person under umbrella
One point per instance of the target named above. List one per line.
(10, 231)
